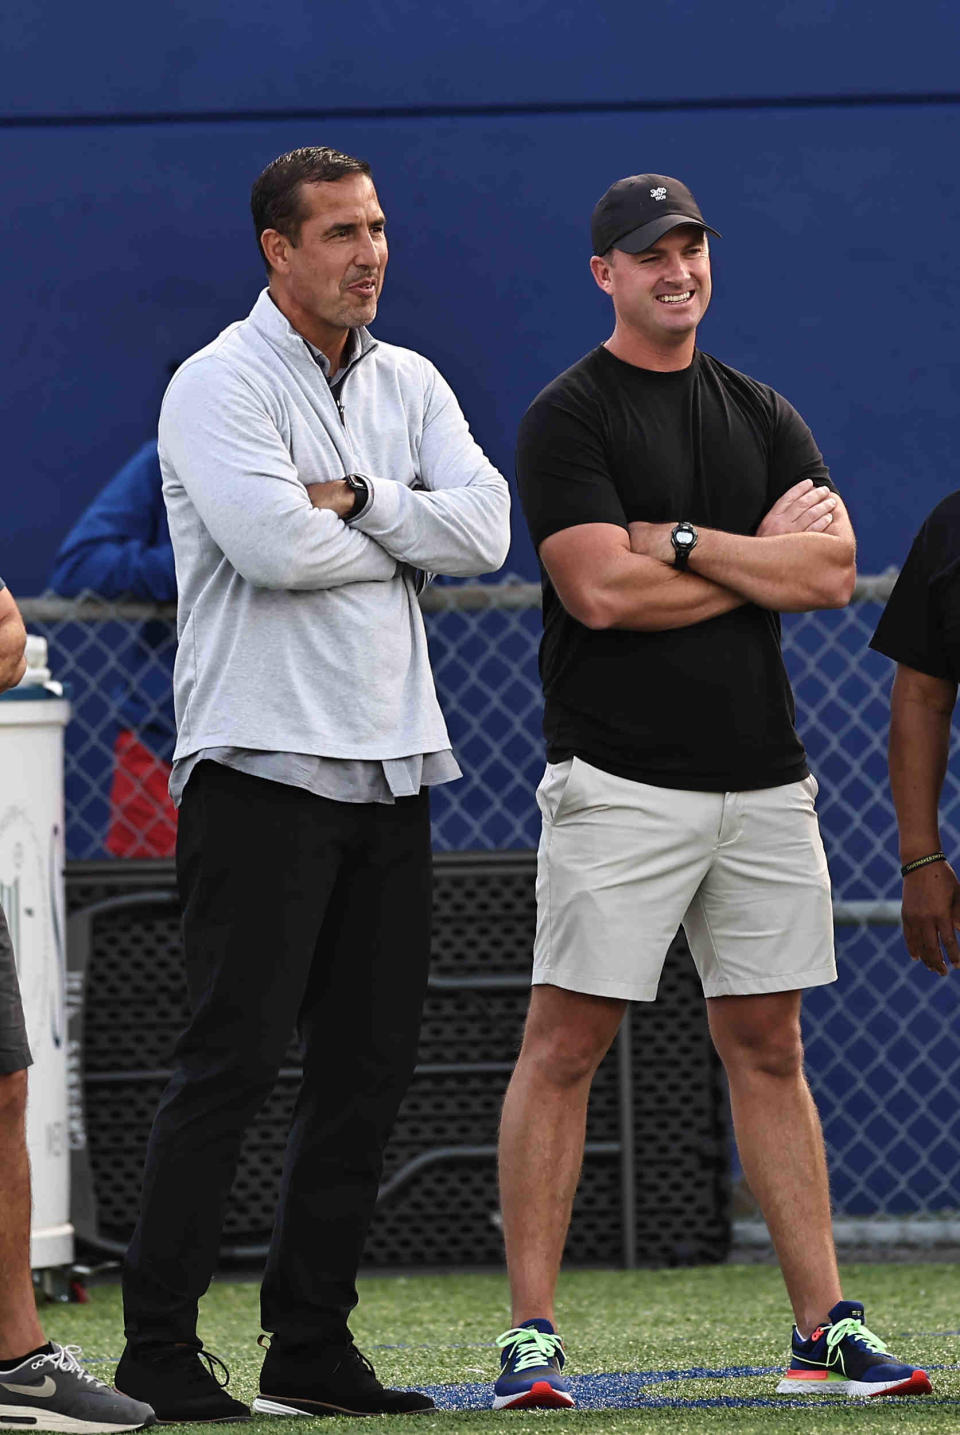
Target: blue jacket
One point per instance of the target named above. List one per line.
(120, 547)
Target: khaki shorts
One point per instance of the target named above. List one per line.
(623, 864)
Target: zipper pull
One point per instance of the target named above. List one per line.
(340, 410)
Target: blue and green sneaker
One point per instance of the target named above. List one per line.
(530, 1365)
(844, 1358)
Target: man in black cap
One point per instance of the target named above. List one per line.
(677, 507)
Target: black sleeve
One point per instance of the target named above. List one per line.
(794, 454)
(562, 470)
(910, 629)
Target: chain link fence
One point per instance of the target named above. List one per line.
(883, 1044)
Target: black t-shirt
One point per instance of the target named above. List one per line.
(920, 625)
(707, 707)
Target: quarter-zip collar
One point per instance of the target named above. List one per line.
(277, 329)
(352, 352)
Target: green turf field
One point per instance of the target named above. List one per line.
(438, 1331)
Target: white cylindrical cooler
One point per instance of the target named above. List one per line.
(32, 720)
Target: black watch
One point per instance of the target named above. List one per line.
(684, 538)
(361, 493)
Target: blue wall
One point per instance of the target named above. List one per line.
(819, 137)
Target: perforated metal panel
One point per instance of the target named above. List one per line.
(660, 1145)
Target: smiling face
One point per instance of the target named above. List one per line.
(328, 278)
(659, 295)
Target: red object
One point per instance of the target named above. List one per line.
(541, 1396)
(918, 1384)
(143, 820)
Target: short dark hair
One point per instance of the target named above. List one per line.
(275, 200)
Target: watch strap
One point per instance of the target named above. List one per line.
(361, 493)
(684, 538)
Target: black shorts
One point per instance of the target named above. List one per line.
(14, 1051)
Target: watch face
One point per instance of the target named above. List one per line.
(683, 537)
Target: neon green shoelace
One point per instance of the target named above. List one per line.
(534, 1347)
(855, 1328)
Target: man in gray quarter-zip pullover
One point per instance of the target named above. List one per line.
(311, 475)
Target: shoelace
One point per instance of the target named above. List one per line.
(351, 1353)
(854, 1330)
(182, 1356)
(67, 1358)
(533, 1347)
(211, 1361)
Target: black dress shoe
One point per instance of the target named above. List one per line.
(181, 1382)
(328, 1380)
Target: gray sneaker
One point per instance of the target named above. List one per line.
(54, 1392)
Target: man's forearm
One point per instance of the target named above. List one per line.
(603, 583)
(920, 710)
(648, 597)
(793, 572)
(13, 638)
(461, 532)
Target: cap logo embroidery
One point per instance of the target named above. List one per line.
(658, 193)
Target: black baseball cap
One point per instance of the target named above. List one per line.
(636, 211)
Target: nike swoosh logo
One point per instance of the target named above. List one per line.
(44, 1390)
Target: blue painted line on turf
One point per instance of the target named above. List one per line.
(779, 1402)
(632, 1390)
(591, 1392)
(680, 1340)
(923, 1334)
(433, 1345)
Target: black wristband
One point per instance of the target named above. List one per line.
(922, 862)
(684, 538)
(361, 494)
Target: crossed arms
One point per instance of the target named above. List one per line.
(259, 507)
(802, 557)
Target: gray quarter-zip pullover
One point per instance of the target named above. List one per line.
(300, 633)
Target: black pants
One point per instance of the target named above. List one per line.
(297, 912)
